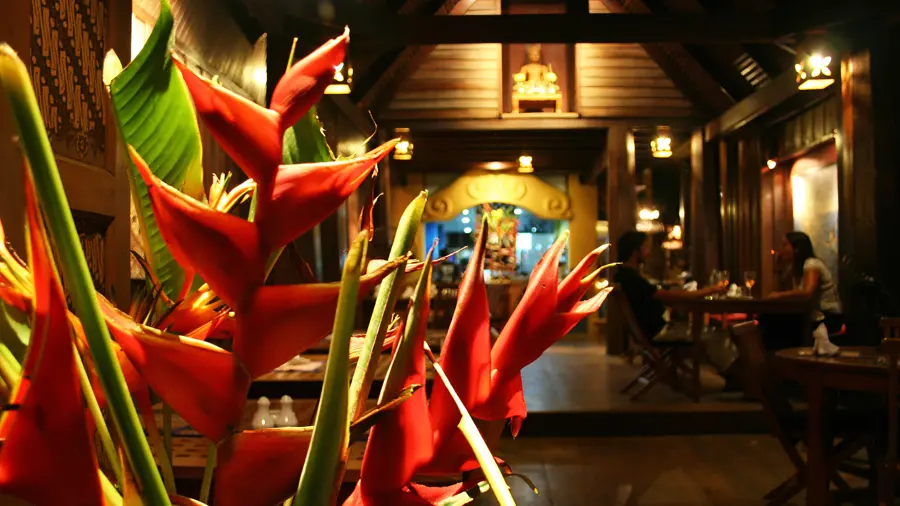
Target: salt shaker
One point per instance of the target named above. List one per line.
(263, 418)
(287, 417)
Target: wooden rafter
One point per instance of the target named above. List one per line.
(682, 68)
(408, 60)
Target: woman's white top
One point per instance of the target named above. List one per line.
(825, 294)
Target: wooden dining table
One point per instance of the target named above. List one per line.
(857, 369)
(698, 308)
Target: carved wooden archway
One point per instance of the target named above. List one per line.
(481, 187)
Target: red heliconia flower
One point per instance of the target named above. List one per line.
(260, 467)
(540, 319)
(401, 441)
(251, 134)
(466, 359)
(488, 378)
(47, 457)
(202, 382)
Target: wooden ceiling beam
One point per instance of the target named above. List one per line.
(681, 67)
(545, 123)
(399, 30)
(384, 88)
(768, 97)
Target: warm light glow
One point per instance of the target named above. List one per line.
(517, 211)
(467, 230)
(675, 233)
(465, 220)
(260, 76)
(648, 214)
(496, 166)
(661, 147)
(525, 164)
(771, 164)
(342, 81)
(404, 149)
(814, 72)
(465, 212)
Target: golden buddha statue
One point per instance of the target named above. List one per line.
(534, 76)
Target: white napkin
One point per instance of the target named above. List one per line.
(690, 287)
(734, 291)
(823, 346)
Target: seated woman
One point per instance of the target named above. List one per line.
(811, 280)
(648, 303)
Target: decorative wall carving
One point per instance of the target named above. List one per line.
(92, 229)
(67, 47)
(479, 187)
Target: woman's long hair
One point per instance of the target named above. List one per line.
(803, 251)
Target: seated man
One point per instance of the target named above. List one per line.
(648, 303)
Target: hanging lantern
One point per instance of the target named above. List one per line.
(814, 71)
(661, 147)
(342, 80)
(525, 166)
(404, 149)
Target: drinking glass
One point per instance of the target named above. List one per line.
(724, 279)
(750, 281)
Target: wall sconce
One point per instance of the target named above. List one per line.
(525, 166)
(404, 149)
(661, 147)
(342, 80)
(771, 163)
(814, 71)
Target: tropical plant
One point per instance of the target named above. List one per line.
(207, 270)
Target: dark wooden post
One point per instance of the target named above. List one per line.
(749, 164)
(868, 181)
(622, 210)
(704, 208)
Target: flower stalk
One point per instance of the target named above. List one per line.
(36, 145)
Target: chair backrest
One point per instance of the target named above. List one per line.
(890, 327)
(620, 301)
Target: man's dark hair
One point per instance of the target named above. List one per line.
(629, 243)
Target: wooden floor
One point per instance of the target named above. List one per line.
(734, 470)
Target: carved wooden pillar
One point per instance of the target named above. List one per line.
(868, 180)
(622, 210)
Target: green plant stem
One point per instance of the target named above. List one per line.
(388, 292)
(94, 407)
(10, 369)
(208, 473)
(112, 496)
(476, 441)
(321, 477)
(162, 455)
(167, 429)
(52, 196)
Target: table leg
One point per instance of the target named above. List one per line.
(697, 352)
(817, 481)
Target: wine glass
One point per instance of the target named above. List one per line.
(750, 281)
(724, 279)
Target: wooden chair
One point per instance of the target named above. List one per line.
(787, 425)
(888, 472)
(662, 361)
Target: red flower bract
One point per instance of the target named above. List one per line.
(47, 439)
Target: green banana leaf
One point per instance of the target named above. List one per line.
(305, 141)
(156, 116)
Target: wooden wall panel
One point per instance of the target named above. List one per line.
(809, 128)
(455, 81)
(622, 80)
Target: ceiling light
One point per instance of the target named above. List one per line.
(465, 212)
(661, 147)
(342, 80)
(525, 166)
(404, 148)
(467, 230)
(771, 163)
(648, 214)
(814, 71)
(517, 211)
(465, 220)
